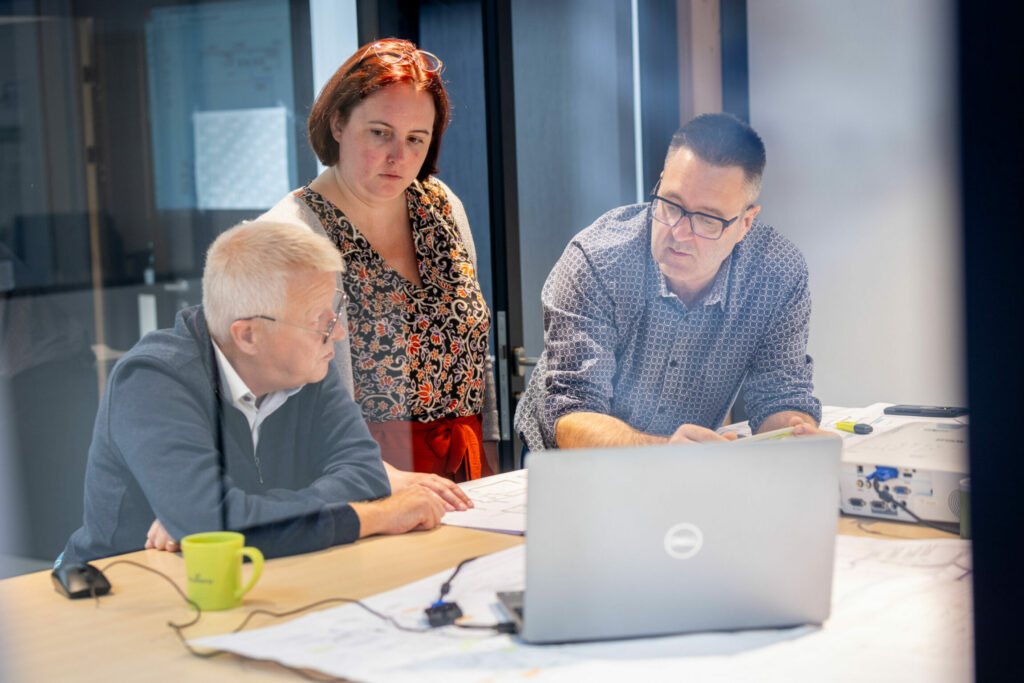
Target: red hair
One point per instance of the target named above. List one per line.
(363, 74)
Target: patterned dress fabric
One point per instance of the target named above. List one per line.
(418, 353)
(617, 341)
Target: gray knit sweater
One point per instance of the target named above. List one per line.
(169, 445)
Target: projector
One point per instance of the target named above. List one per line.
(918, 463)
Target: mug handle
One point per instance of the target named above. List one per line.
(256, 556)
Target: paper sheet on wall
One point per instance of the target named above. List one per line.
(904, 606)
(241, 157)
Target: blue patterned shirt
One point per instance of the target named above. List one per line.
(619, 342)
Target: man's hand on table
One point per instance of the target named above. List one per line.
(412, 509)
(802, 424)
(450, 493)
(418, 502)
(158, 538)
(688, 433)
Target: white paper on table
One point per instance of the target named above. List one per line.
(499, 504)
(873, 415)
(902, 608)
(930, 443)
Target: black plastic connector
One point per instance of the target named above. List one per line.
(443, 614)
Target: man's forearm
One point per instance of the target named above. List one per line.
(387, 515)
(783, 419)
(372, 518)
(414, 507)
(596, 430)
(331, 525)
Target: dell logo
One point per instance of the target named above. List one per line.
(683, 541)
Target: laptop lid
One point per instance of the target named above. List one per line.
(637, 541)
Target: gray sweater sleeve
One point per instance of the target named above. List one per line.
(294, 535)
(164, 433)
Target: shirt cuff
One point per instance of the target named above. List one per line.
(811, 406)
(346, 524)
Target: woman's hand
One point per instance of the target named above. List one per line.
(453, 497)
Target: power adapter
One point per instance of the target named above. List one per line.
(443, 614)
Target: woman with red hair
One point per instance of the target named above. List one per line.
(417, 320)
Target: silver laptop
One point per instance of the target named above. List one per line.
(638, 541)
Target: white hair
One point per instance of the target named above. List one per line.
(248, 268)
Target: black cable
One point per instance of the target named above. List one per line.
(445, 588)
(447, 585)
(499, 627)
(888, 498)
(178, 628)
(379, 615)
(860, 525)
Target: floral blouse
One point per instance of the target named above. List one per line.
(417, 353)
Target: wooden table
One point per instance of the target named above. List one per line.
(124, 636)
(45, 637)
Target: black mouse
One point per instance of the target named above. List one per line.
(79, 581)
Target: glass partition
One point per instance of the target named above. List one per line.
(131, 134)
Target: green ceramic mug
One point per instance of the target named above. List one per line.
(213, 567)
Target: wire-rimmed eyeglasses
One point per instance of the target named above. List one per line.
(396, 53)
(338, 306)
(703, 225)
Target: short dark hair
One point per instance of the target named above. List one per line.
(363, 74)
(723, 140)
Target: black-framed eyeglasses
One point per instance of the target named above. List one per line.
(338, 306)
(703, 225)
(392, 53)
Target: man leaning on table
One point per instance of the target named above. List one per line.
(656, 314)
(237, 418)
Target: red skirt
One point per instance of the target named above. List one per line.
(451, 446)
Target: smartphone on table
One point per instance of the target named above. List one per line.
(925, 411)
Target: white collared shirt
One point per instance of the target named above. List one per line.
(243, 398)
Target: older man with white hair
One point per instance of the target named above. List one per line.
(236, 418)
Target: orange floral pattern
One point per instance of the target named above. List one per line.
(417, 353)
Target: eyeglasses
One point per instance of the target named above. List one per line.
(392, 53)
(338, 306)
(702, 224)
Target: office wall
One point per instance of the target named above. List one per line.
(454, 31)
(574, 131)
(855, 100)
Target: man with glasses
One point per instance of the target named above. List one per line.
(237, 419)
(657, 314)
